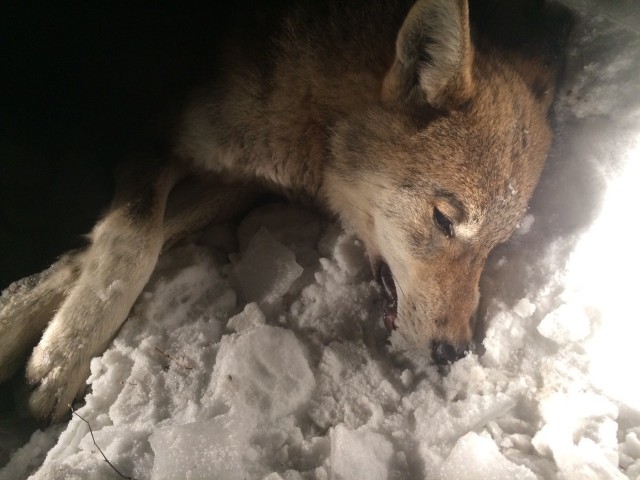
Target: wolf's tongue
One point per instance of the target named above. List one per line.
(390, 304)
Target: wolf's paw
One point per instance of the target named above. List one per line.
(28, 305)
(82, 327)
(56, 373)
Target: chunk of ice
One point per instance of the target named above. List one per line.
(273, 476)
(524, 308)
(525, 225)
(251, 316)
(359, 454)
(567, 323)
(202, 450)
(267, 269)
(476, 457)
(263, 370)
(581, 434)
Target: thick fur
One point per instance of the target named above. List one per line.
(389, 115)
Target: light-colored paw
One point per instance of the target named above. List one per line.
(28, 305)
(80, 330)
(55, 388)
(56, 372)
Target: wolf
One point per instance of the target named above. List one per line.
(422, 126)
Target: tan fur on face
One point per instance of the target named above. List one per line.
(478, 163)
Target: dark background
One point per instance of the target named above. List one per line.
(83, 85)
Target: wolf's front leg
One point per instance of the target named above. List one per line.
(124, 250)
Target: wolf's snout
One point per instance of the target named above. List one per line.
(389, 296)
(444, 353)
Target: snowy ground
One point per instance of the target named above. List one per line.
(272, 363)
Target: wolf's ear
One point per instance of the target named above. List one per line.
(433, 59)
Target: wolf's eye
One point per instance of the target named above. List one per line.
(443, 222)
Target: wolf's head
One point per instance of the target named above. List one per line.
(441, 170)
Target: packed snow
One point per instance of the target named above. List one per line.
(258, 352)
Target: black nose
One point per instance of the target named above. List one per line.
(444, 353)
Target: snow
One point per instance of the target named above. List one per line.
(359, 454)
(270, 361)
(477, 456)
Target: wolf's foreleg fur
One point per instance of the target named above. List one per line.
(124, 250)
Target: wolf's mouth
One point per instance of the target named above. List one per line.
(384, 278)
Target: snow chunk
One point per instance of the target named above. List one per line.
(506, 333)
(630, 453)
(210, 449)
(267, 269)
(581, 434)
(438, 425)
(273, 476)
(352, 388)
(186, 286)
(476, 457)
(251, 316)
(524, 308)
(567, 323)
(632, 445)
(341, 299)
(264, 370)
(359, 454)
(525, 225)
(350, 256)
